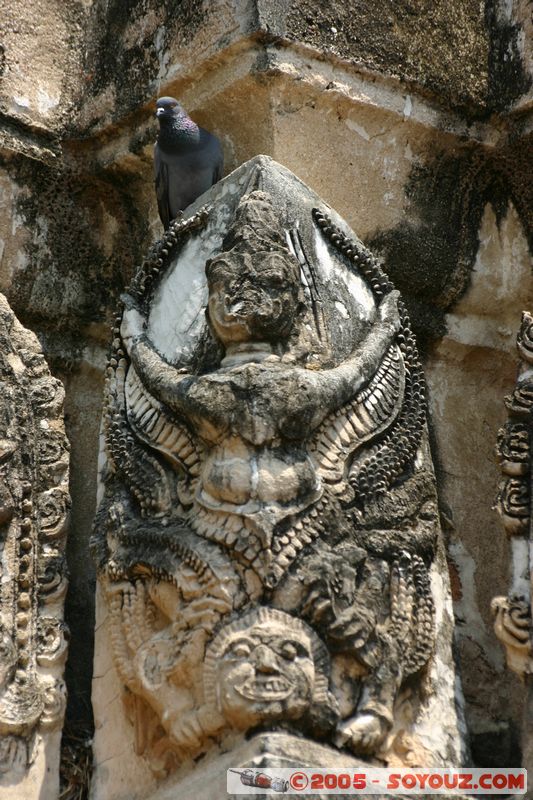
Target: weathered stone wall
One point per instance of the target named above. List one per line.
(412, 119)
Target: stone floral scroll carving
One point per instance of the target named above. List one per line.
(512, 625)
(269, 518)
(34, 502)
(512, 614)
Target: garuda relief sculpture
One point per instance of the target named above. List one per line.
(269, 519)
(34, 505)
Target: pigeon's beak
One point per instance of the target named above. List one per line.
(159, 112)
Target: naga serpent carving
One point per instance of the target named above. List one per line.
(269, 518)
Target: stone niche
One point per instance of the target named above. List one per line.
(272, 585)
(34, 503)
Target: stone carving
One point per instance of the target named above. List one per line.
(512, 625)
(269, 522)
(34, 505)
(267, 666)
(512, 615)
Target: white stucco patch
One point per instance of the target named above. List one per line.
(46, 102)
(522, 557)
(470, 621)
(178, 312)
(353, 126)
(486, 315)
(341, 308)
(408, 107)
(21, 102)
(356, 285)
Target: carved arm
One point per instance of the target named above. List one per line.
(330, 389)
(162, 378)
(171, 385)
(337, 386)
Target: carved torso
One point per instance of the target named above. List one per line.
(254, 420)
(245, 478)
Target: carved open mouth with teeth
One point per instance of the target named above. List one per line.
(265, 689)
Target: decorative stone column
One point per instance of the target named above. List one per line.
(272, 586)
(34, 501)
(512, 614)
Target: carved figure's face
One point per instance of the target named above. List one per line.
(252, 298)
(264, 675)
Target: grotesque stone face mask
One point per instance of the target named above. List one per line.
(263, 669)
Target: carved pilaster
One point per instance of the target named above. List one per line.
(34, 502)
(512, 614)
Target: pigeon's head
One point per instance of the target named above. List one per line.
(168, 108)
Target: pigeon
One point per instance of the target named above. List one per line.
(187, 160)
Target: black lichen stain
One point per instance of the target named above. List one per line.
(463, 54)
(508, 79)
(438, 45)
(123, 57)
(86, 235)
(430, 256)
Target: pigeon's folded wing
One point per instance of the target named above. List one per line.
(219, 166)
(162, 187)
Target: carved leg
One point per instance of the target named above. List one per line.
(189, 731)
(405, 642)
(363, 734)
(366, 731)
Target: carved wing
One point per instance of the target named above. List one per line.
(372, 411)
(153, 424)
